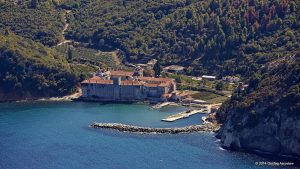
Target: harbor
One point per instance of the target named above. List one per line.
(62, 130)
(195, 109)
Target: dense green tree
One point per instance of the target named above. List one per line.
(37, 20)
(70, 54)
(209, 37)
(274, 88)
(29, 69)
(193, 33)
(220, 86)
(34, 4)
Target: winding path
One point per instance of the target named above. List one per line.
(71, 42)
(65, 29)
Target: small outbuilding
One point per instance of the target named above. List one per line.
(231, 79)
(208, 77)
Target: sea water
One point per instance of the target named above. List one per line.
(56, 135)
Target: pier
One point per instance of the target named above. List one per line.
(184, 114)
(161, 105)
(148, 130)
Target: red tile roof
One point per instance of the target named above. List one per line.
(146, 81)
(97, 80)
(134, 83)
(150, 84)
(164, 84)
(156, 79)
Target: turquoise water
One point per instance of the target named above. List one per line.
(56, 135)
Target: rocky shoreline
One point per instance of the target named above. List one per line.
(149, 130)
(15, 98)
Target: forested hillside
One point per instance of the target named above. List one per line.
(266, 115)
(37, 20)
(212, 35)
(29, 69)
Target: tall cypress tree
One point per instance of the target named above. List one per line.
(34, 3)
(157, 69)
(70, 54)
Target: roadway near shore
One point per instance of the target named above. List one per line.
(184, 114)
(161, 105)
(204, 108)
(65, 98)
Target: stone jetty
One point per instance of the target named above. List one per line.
(148, 130)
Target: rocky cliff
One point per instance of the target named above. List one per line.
(265, 116)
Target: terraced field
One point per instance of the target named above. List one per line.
(92, 57)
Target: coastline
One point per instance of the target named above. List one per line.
(269, 156)
(70, 97)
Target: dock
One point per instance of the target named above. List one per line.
(184, 114)
(161, 105)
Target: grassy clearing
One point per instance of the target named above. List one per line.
(82, 70)
(205, 95)
(202, 90)
(209, 96)
(219, 99)
(88, 56)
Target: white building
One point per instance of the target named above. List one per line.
(208, 77)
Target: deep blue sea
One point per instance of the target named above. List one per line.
(55, 135)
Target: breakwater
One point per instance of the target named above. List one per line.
(149, 130)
